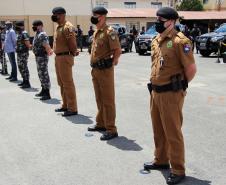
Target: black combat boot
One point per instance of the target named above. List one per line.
(41, 93)
(26, 84)
(46, 95)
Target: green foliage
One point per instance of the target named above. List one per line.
(190, 5)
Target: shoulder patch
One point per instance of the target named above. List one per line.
(187, 48)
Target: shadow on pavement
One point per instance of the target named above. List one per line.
(188, 180)
(16, 82)
(192, 180)
(124, 143)
(80, 119)
(53, 101)
(32, 89)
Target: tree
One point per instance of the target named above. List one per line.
(190, 5)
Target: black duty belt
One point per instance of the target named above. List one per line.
(64, 53)
(168, 87)
(102, 64)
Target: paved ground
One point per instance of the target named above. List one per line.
(39, 147)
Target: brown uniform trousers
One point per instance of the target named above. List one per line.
(103, 82)
(105, 41)
(64, 64)
(166, 113)
(171, 53)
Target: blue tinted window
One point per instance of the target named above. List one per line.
(151, 30)
(221, 29)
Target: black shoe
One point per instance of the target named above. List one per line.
(174, 179)
(69, 113)
(95, 128)
(61, 110)
(153, 166)
(21, 84)
(26, 85)
(8, 78)
(40, 94)
(13, 80)
(108, 136)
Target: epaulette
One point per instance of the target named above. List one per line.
(181, 35)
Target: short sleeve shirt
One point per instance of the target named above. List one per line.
(40, 39)
(105, 41)
(61, 36)
(21, 38)
(171, 53)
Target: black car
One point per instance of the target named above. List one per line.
(210, 42)
(124, 37)
(143, 42)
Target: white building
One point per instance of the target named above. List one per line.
(78, 11)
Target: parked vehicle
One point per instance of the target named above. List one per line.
(124, 37)
(210, 42)
(143, 42)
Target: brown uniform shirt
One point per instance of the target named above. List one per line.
(171, 53)
(105, 41)
(61, 36)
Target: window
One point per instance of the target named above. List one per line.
(156, 5)
(205, 1)
(102, 3)
(130, 4)
(130, 24)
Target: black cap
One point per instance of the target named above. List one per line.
(20, 23)
(100, 10)
(59, 10)
(167, 13)
(37, 23)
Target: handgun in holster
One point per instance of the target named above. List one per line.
(176, 82)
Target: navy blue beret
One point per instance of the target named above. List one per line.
(59, 10)
(20, 23)
(167, 13)
(37, 23)
(100, 10)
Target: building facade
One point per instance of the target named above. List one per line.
(29, 10)
(133, 3)
(78, 12)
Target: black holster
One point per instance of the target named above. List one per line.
(149, 85)
(177, 83)
(102, 64)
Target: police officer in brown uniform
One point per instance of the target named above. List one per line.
(105, 54)
(173, 66)
(65, 48)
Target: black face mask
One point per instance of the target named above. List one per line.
(159, 26)
(94, 20)
(34, 28)
(54, 18)
(17, 28)
(8, 27)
